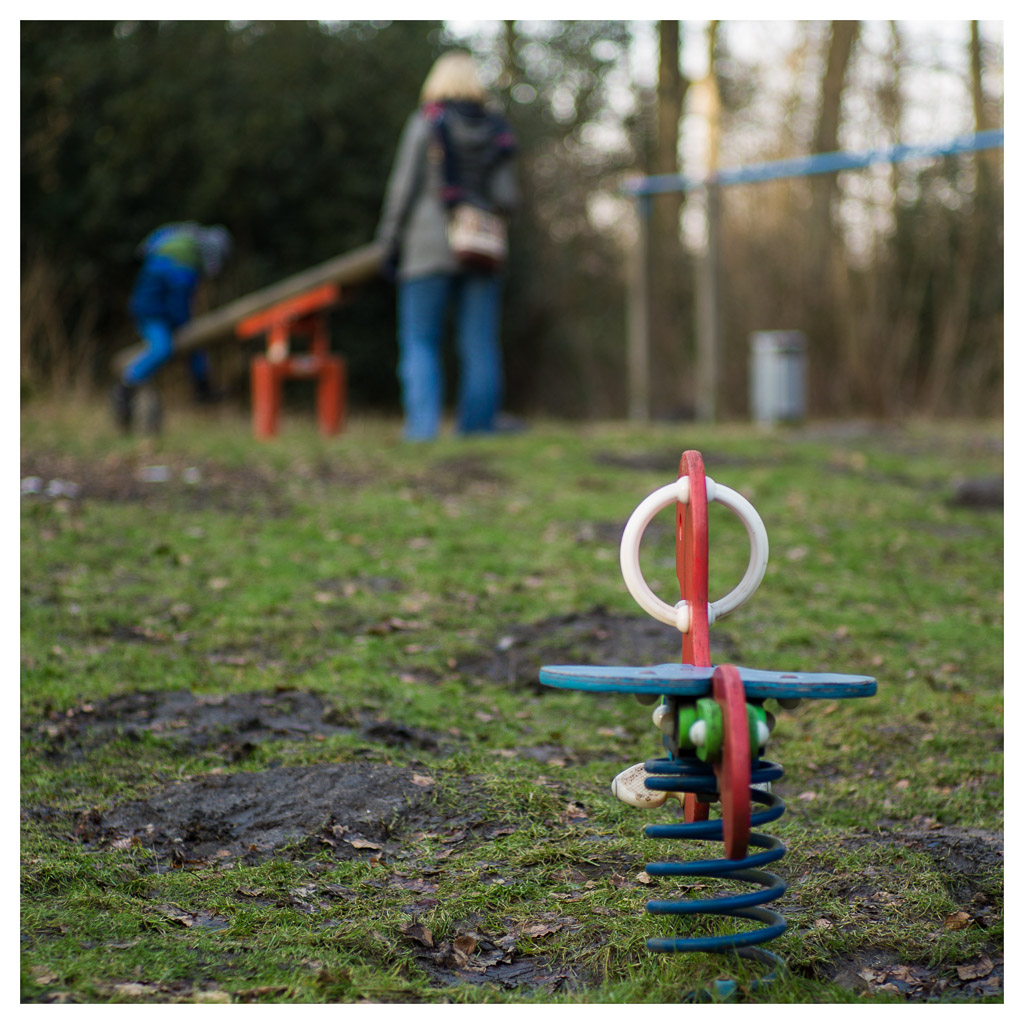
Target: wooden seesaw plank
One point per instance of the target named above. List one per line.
(218, 325)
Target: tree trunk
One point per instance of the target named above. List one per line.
(983, 161)
(824, 319)
(954, 325)
(709, 334)
(508, 57)
(895, 325)
(671, 391)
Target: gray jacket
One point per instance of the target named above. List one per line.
(414, 218)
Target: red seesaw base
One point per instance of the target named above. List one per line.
(305, 315)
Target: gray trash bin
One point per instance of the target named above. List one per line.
(778, 376)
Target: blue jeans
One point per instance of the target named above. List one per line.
(422, 307)
(159, 346)
(159, 341)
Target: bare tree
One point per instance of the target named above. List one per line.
(953, 327)
(821, 274)
(709, 333)
(668, 282)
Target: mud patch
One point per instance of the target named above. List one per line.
(964, 856)
(346, 809)
(473, 956)
(970, 861)
(233, 724)
(466, 474)
(596, 637)
(978, 493)
(156, 482)
(877, 971)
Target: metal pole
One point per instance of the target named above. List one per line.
(638, 320)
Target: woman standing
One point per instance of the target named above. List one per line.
(455, 153)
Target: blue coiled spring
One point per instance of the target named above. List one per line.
(691, 775)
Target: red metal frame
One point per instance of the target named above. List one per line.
(692, 559)
(316, 300)
(733, 771)
(692, 573)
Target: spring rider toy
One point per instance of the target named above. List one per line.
(714, 725)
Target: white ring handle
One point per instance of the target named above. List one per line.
(629, 552)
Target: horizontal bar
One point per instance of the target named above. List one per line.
(817, 163)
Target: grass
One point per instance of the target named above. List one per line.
(381, 577)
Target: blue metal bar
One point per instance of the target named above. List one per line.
(818, 163)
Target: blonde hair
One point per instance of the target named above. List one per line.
(453, 77)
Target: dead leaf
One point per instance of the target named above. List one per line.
(872, 976)
(218, 583)
(535, 931)
(954, 922)
(644, 879)
(211, 996)
(418, 933)
(363, 844)
(132, 988)
(981, 969)
(43, 976)
(413, 884)
(176, 914)
(808, 795)
(422, 780)
(465, 944)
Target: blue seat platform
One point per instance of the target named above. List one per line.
(695, 681)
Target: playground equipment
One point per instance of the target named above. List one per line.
(714, 727)
(290, 307)
(304, 315)
(709, 290)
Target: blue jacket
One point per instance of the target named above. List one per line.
(169, 276)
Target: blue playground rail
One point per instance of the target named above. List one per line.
(819, 163)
